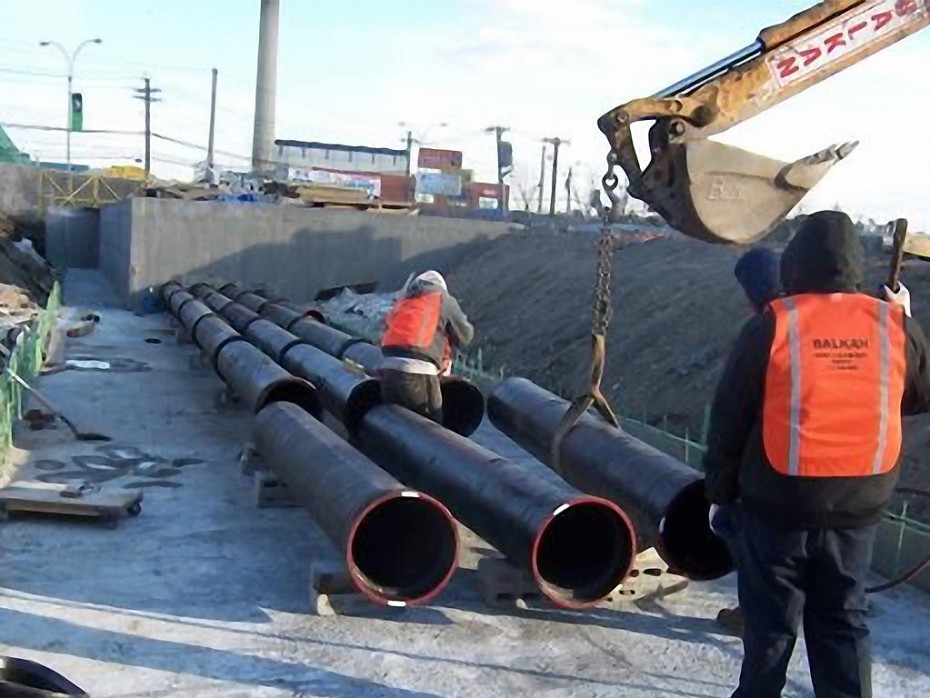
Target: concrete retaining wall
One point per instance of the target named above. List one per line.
(19, 190)
(294, 251)
(72, 237)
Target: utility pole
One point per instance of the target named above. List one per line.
(542, 180)
(146, 94)
(556, 144)
(409, 151)
(499, 132)
(212, 135)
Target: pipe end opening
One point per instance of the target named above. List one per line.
(403, 549)
(462, 406)
(583, 552)
(686, 542)
(363, 398)
(295, 391)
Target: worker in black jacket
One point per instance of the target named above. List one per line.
(803, 457)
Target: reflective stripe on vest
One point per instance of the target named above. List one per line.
(413, 322)
(834, 386)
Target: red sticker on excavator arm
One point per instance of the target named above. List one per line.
(841, 37)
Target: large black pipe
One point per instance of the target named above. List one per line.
(271, 339)
(212, 335)
(664, 497)
(400, 546)
(334, 342)
(215, 300)
(177, 300)
(577, 547)
(346, 394)
(286, 315)
(258, 381)
(252, 301)
(239, 316)
(200, 289)
(230, 290)
(192, 313)
(170, 288)
(462, 401)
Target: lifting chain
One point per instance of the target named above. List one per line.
(602, 313)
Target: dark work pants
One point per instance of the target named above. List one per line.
(815, 576)
(417, 392)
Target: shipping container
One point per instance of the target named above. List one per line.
(437, 159)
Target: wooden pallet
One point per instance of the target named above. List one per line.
(106, 506)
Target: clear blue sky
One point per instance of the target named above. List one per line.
(350, 71)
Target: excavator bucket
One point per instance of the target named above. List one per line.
(722, 194)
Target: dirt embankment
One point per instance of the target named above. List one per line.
(677, 309)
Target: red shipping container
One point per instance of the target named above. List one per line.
(437, 159)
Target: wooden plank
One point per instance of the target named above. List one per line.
(38, 498)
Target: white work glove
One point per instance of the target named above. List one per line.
(902, 297)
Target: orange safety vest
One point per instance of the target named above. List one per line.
(834, 386)
(413, 322)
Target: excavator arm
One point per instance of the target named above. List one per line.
(719, 193)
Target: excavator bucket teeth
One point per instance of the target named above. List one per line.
(723, 194)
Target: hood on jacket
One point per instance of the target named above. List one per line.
(825, 256)
(426, 282)
(757, 272)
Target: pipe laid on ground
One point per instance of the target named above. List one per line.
(192, 313)
(271, 339)
(200, 289)
(577, 547)
(177, 300)
(346, 394)
(239, 316)
(334, 342)
(215, 300)
(252, 300)
(169, 289)
(664, 497)
(400, 546)
(462, 401)
(230, 290)
(212, 335)
(286, 315)
(258, 381)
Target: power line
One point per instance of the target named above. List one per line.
(35, 127)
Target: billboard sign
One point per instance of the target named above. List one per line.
(370, 184)
(439, 184)
(436, 159)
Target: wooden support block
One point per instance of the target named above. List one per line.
(271, 492)
(225, 399)
(332, 593)
(249, 460)
(182, 336)
(198, 362)
(649, 579)
(108, 507)
(503, 585)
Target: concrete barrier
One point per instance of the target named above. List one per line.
(294, 251)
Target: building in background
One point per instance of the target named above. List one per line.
(308, 155)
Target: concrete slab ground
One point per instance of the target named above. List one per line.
(205, 595)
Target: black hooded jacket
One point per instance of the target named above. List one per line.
(825, 257)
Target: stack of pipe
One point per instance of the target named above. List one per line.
(664, 496)
(399, 546)
(577, 547)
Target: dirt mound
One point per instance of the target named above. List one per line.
(25, 277)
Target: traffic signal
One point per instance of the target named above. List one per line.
(77, 111)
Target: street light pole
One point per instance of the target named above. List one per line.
(70, 58)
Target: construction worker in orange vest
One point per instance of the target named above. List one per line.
(420, 332)
(803, 457)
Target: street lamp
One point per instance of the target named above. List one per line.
(70, 58)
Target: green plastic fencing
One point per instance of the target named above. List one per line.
(25, 361)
